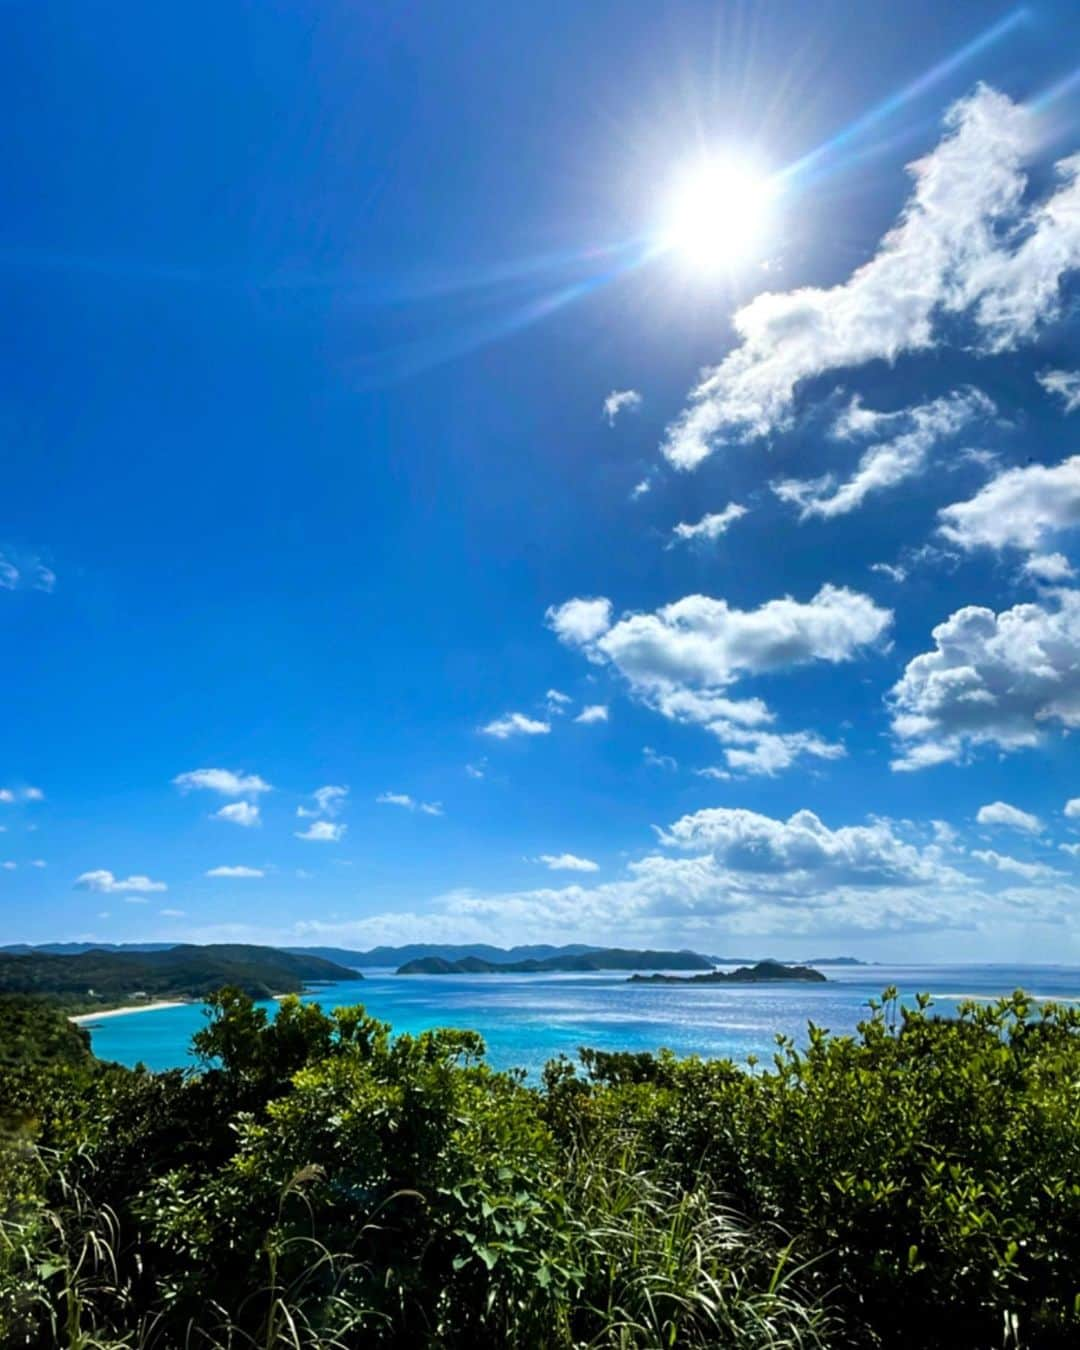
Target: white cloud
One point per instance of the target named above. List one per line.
(709, 528)
(1048, 567)
(165, 914)
(953, 252)
(8, 796)
(657, 761)
(567, 862)
(700, 640)
(409, 803)
(225, 781)
(557, 701)
(1020, 508)
(27, 573)
(767, 753)
(239, 813)
(893, 571)
(104, 883)
(992, 679)
(38, 862)
(621, 400)
(579, 621)
(1072, 849)
(1065, 384)
(477, 770)
(681, 659)
(1003, 863)
(9, 866)
(322, 832)
(515, 724)
(328, 802)
(640, 489)
(1001, 813)
(803, 846)
(235, 872)
(1072, 808)
(888, 463)
(595, 712)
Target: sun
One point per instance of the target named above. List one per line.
(719, 212)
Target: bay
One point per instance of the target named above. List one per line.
(527, 1019)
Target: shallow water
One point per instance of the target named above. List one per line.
(527, 1019)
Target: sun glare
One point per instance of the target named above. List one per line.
(718, 214)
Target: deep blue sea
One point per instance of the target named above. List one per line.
(526, 1019)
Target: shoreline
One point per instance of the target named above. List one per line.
(134, 1008)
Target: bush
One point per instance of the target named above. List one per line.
(321, 1183)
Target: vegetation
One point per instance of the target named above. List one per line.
(600, 958)
(762, 972)
(321, 1183)
(187, 971)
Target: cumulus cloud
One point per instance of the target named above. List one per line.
(9, 796)
(322, 832)
(1020, 508)
(1049, 568)
(557, 702)
(105, 883)
(595, 712)
(620, 401)
(894, 571)
(1030, 871)
(884, 465)
(954, 252)
(579, 621)
(239, 813)
(640, 488)
(1001, 813)
(992, 679)
(681, 659)
(1063, 384)
(567, 862)
(709, 528)
(227, 782)
(752, 874)
(515, 724)
(409, 803)
(238, 872)
(702, 641)
(328, 802)
(1072, 808)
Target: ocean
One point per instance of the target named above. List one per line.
(527, 1019)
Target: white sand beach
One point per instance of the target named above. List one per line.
(135, 1008)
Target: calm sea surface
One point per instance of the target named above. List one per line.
(526, 1019)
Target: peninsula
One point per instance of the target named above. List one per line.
(601, 958)
(763, 972)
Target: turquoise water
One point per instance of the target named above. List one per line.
(526, 1019)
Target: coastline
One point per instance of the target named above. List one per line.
(134, 1008)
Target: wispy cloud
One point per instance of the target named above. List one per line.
(322, 832)
(227, 782)
(620, 401)
(515, 724)
(403, 799)
(239, 813)
(238, 872)
(104, 882)
(567, 862)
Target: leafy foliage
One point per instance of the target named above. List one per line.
(322, 1183)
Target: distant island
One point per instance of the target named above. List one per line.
(762, 973)
(600, 958)
(98, 978)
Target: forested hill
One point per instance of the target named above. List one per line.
(180, 972)
(538, 955)
(600, 958)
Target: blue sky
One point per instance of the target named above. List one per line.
(313, 316)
